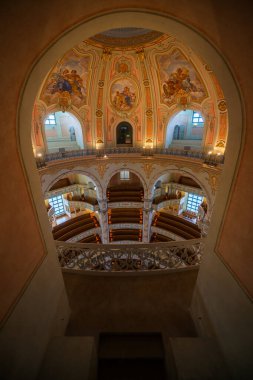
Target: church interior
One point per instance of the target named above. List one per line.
(126, 237)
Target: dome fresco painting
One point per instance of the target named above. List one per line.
(145, 84)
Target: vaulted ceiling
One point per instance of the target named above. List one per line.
(136, 75)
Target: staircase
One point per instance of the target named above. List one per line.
(133, 356)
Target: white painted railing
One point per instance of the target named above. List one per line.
(135, 257)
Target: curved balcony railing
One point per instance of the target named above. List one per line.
(139, 257)
(209, 159)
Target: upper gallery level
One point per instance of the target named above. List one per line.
(136, 101)
(129, 90)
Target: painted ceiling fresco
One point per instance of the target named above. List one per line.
(68, 82)
(127, 38)
(123, 94)
(141, 84)
(178, 77)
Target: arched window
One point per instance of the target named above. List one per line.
(185, 128)
(63, 131)
(124, 134)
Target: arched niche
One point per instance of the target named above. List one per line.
(62, 130)
(125, 178)
(183, 131)
(125, 18)
(90, 180)
(178, 187)
(124, 134)
(170, 174)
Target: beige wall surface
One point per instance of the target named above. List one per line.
(27, 28)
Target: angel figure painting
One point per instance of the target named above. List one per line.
(123, 95)
(178, 76)
(68, 79)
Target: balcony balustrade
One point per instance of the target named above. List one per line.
(208, 159)
(134, 258)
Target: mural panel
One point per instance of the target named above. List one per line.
(178, 77)
(124, 95)
(68, 82)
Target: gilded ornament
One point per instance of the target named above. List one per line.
(149, 113)
(106, 55)
(220, 144)
(141, 54)
(213, 183)
(208, 68)
(222, 105)
(99, 113)
(101, 170)
(101, 83)
(148, 168)
(146, 83)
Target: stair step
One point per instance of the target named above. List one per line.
(132, 369)
(130, 346)
(131, 356)
(69, 358)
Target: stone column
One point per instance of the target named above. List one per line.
(103, 219)
(147, 219)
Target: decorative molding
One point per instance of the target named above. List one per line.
(222, 105)
(148, 169)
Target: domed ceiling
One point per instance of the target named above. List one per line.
(136, 75)
(126, 38)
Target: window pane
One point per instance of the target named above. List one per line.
(57, 203)
(193, 202)
(124, 175)
(50, 119)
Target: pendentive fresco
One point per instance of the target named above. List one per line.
(178, 78)
(68, 82)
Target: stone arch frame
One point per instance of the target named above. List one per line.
(65, 172)
(141, 178)
(155, 178)
(151, 20)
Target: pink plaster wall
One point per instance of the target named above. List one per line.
(26, 29)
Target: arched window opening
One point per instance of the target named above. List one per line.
(70, 197)
(124, 134)
(185, 129)
(180, 196)
(125, 186)
(62, 132)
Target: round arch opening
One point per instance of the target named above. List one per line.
(152, 21)
(124, 134)
(62, 131)
(185, 128)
